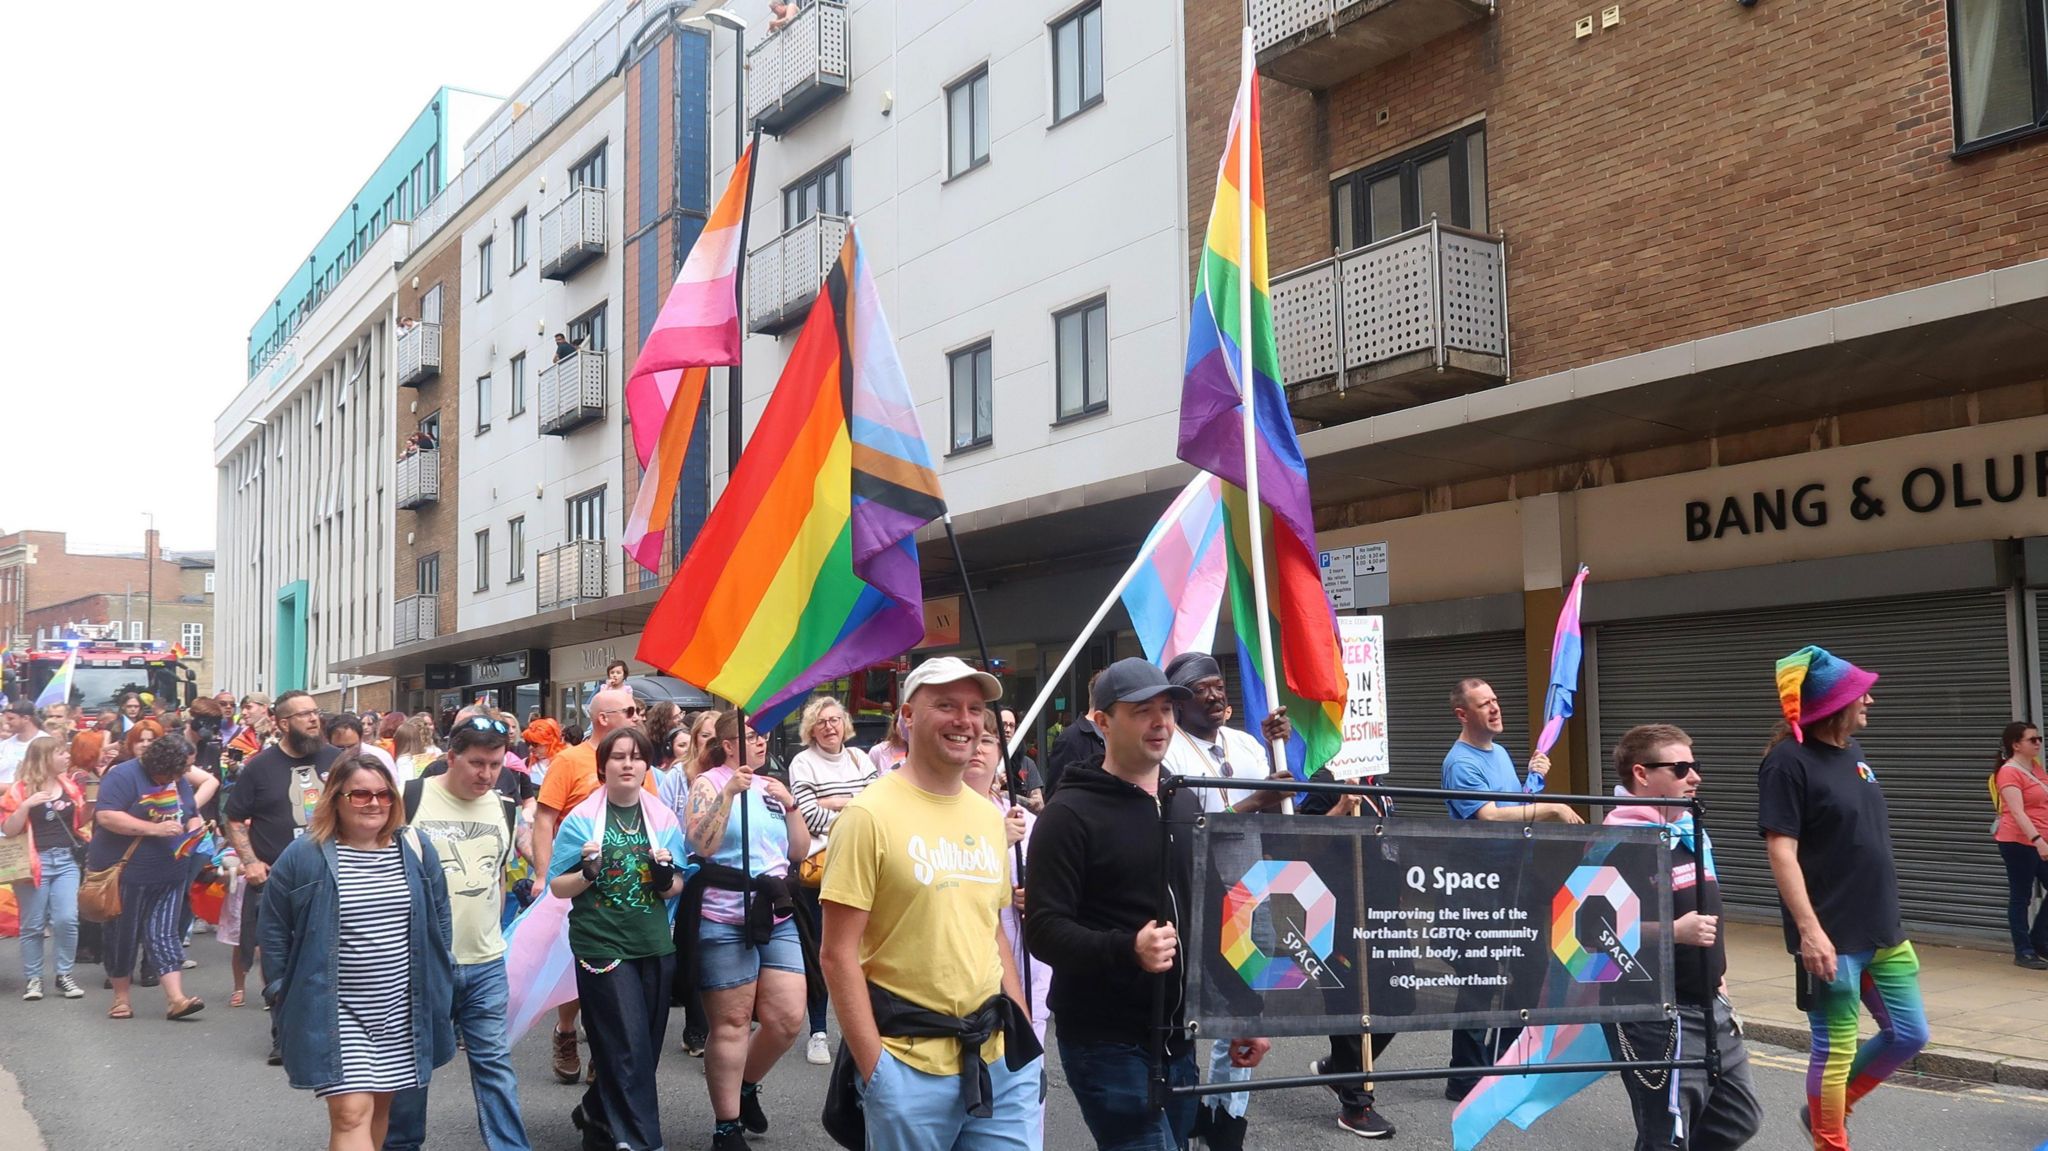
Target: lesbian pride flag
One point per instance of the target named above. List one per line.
(1176, 595)
(699, 326)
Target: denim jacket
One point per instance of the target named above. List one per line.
(301, 932)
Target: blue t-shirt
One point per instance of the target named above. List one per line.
(125, 788)
(1466, 768)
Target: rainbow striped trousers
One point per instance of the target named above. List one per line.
(1840, 1072)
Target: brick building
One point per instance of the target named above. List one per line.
(45, 586)
(1739, 306)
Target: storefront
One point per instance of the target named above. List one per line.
(511, 682)
(578, 671)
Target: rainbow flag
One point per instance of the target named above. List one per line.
(1567, 649)
(1176, 595)
(58, 690)
(1303, 627)
(699, 326)
(807, 568)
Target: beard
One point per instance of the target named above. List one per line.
(298, 745)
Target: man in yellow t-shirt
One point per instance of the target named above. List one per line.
(914, 887)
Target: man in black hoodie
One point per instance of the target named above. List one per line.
(1092, 915)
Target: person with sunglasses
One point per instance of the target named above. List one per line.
(2022, 834)
(571, 779)
(358, 954)
(1655, 762)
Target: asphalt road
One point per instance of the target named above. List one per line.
(94, 1084)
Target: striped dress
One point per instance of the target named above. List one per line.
(373, 965)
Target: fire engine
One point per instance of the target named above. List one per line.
(107, 669)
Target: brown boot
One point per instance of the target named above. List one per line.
(568, 1068)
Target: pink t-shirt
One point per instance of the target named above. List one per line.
(2033, 794)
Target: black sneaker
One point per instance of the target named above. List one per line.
(276, 1056)
(1365, 1123)
(728, 1139)
(2031, 962)
(752, 1117)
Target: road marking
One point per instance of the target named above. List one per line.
(1983, 1092)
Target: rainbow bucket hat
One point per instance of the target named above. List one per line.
(1814, 683)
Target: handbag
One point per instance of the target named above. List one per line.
(99, 893)
(811, 872)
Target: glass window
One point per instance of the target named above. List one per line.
(192, 637)
(1081, 336)
(483, 404)
(1077, 62)
(1444, 179)
(483, 560)
(823, 192)
(519, 239)
(586, 515)
(427, 575)
(209, 584)
(967, 124)
(519, 383)
(972, 372)
(589, 172)
(587, 331)
(2001, 69)
(515, 547)
(483, 269)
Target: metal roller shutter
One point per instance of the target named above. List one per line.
(1420, 727)
(1945, 692)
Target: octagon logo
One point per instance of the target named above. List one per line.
(1303, 942)
(1596, 926)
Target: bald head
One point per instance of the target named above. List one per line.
(609, 712)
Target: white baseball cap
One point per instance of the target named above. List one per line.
(950, 669)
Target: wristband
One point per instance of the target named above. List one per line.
(590, 869)
(660, 875)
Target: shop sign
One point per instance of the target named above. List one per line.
(941, 622)
(1927, 489)
(500, 668)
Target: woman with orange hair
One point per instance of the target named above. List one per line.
(543, 742)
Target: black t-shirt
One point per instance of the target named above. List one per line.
(268, 789)
(513, 784)
(52, 824)
(1696, 971)
(1829, 800)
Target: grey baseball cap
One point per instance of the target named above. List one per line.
(1133, 680)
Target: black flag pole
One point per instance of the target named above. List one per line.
(1009, 757)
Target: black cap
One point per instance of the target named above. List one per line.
(22, 707)
(1133, 680)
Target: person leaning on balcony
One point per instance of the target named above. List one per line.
(780, 14)
(563, 348)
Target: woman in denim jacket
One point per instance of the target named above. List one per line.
(357, 957)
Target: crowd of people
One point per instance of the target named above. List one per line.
(372, 864)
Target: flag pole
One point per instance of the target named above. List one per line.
(734, 395)
(1059, 671)
(1248, 250)
(1009, 751)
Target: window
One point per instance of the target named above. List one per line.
(586, 515)
(1445, 178)
(971, 371)
(430, 427)
(519, 239)
(587, 331)
(483, 404)
(1081, 339)
(430, 305)
(135, 630)
(515, 546)
(483, 269)
(209, 583)
(519, 383)
(967, 124)
(1999, 55)
(192, 637)
(483, 560)
(589, 171)
(427, 574)
(1077, 62)
(819, 193)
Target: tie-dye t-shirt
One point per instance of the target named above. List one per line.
(126, 788)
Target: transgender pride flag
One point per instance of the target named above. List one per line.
(1177, 593)
(1523, 1099)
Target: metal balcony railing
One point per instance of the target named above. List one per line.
(419, 478)
(572, 391)
(569, 574)
(418, 617)
(783, 275)
(800, 69)
(572, 233)
(419, 354)
(1317, 44)
(1415, 317)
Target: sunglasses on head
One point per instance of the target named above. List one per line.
(486, 723)
(1680, 768)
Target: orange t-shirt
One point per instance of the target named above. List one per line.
(2034, 797)
(572, 777)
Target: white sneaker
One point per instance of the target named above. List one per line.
(68, 988)
(33, 991)
(816, 1052)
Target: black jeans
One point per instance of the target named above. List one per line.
(2024, 868)
(625, 1014)
(807, 906)
(1347, 1053)
(1719, 1116)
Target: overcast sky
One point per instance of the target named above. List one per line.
(173, 166)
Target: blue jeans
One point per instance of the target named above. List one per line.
(726, 960)
(1111, 1084)
(2024, 867)
(909, 1110)
(53, 905)
(480, 1002)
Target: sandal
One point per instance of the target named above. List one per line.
(236, 1000)
(185, 1008)
(120, 1011)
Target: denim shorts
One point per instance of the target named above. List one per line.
(725, 959)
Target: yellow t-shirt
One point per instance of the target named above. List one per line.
(930, 872)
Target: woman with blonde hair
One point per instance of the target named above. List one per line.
(46, 804)
(825, 776)
(412, 749)
(889, 753)
(358, 956)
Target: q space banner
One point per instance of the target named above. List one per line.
(1317, 926)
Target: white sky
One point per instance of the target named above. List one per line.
(173, 166)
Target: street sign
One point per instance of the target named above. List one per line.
(1337, 568)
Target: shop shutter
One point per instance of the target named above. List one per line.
(1420, 727)
(1944, 693)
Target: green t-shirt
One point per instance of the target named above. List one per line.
(618, 917)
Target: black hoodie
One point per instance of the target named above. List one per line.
(1094, 882)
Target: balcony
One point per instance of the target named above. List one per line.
(1318, 44)
(800, 69)
(418, 617)
(570, 574)
(419, 354)
(572, 392)
(783, 275)
(572, 233)
(419, 478)
(1416, 317)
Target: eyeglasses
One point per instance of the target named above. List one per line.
(1680, 768)
(486, 723)
(298, 714)
(363, 797)
(757, 737)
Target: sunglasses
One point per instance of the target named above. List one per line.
(1680, 768)
(630, 711)
(486, 723)
(363, 797)
(2031, 739)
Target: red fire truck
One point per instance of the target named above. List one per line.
(107, 670)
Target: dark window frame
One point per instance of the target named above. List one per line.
(841, 167)
(977, 353)
(592, 326)
(1406, 167)
(585, 508)
(2037, 58)
(518, 385)
(519, 245)
(1077, 16)
(978, 76)
(482, 555)
(426, 570)
(483, 398)
(483, 266)
(1088, 408)
(592, 171)
(515, 550)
